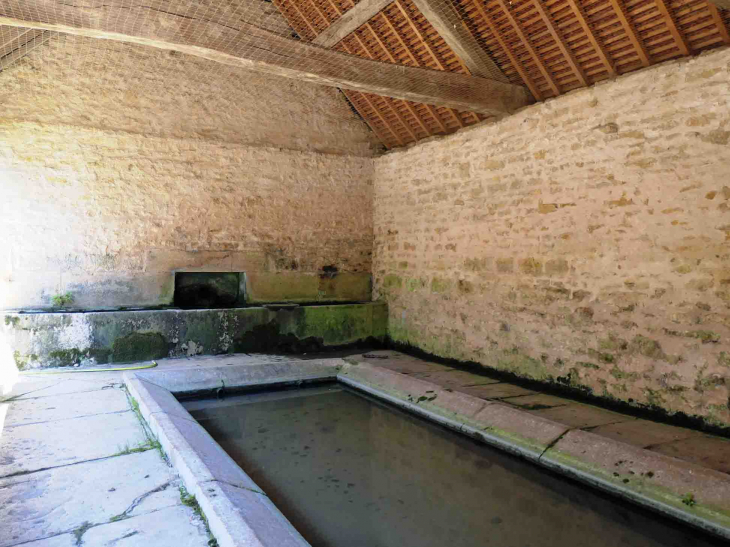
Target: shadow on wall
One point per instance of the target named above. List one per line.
(8, 370)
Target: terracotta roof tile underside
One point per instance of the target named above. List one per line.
(549, 46)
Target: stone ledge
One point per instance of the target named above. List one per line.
(62, 339)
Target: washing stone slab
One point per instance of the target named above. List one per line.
(57, 500)
(674, 487)
(644, 433)
(63, 407)
(33, 447)
(577, 415)
(705, 450)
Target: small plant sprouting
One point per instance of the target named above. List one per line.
(689, 499)
(61, 300)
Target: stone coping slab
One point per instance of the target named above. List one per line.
(240, 513)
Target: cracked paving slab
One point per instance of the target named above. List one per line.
(43, 386)
(62, 407)
(175, 526)
(33, 447)
(56, 501)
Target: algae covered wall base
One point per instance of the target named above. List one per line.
(65, 339)
(583, 241)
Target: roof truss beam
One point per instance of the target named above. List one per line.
(254, 48)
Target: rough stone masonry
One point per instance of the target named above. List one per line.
(122, 164)
(584, 240)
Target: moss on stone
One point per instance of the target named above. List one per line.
(601, 356)
(647, 347)
(392, 281)
(622, 375)
(612, 343)
(139, 346)
(11, 321)
(705, 336)
(414, 284)
(585, 364)
(723, 359)
(439, 285)
(65, 357)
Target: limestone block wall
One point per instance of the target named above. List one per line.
(583, 241)
(122, 164)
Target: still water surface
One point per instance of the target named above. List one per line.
(349, 471)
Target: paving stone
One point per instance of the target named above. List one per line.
(44, 386)
(176, 526)
(711, 452)
(71, 405)
(65, 540)
(455, 378)
(644, 433)
(32, 447)
(496, 391)
(536, 402)
(579, 416)
(398, 362)
(58, 500)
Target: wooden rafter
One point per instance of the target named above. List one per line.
(431, 52)
(567, 54)
(350, 21)
(444, 17)
(416, 62)
(630, 31)
(530, 49)
(577, 10)
(719, 23)
(672, 26)
(516, 63)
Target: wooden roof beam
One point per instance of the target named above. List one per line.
(577, 10)
(672, 26)
(630, 30)
(257, 49)
(717, 18)
(350, 21)
(448, 22)
(724, 4)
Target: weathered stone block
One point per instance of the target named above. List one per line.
(262, 288)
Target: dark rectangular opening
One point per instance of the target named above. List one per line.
(197, 290)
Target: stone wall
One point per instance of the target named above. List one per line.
(584, 241)
(121, 164)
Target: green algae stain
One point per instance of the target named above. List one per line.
(439, 285)
(139, 346)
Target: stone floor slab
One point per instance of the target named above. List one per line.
(455, 378)
(712, 452)
(61, 499)
(644, 433)
(48, 385)
(26, 448)
(580, 416)
(176, 526)
(65, 540)
(496, 391)
(540, 401)
(70, 405)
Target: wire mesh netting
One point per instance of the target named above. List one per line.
(459, 61)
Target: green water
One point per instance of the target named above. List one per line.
(348, 471)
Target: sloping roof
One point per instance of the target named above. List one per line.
(549, 46)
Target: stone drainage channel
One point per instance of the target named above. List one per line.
(240, 514)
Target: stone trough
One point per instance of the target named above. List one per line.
(240, 513)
